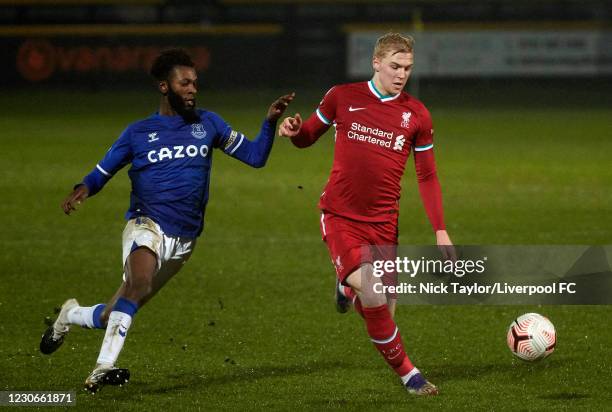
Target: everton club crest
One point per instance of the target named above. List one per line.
(197, 131)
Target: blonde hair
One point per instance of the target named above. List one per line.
(393, 42)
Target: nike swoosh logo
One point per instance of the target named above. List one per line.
(354, 109)
(122, 333)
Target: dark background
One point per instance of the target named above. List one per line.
(239, 44)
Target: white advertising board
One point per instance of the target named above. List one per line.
(491, 53)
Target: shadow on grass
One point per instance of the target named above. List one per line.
(511, 368)
(189, 379)
(171, 385)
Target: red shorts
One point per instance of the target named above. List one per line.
(352, 243)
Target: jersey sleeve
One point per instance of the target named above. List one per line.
(227, 139)
(252, 152)
(424, 137)
(119, 154)
(317, 124)
(427, 177)
(429, 188)
(326, 112)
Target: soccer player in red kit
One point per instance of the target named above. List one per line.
(377, 125)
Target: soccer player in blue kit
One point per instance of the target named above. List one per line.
(171, 157)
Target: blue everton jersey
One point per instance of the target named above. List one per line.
(171, 162)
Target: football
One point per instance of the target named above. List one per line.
(531, 337)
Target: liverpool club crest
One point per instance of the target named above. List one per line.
(406, 119)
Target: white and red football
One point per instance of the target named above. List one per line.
(532, 337)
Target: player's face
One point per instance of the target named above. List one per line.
(182, 88)
(393, 71)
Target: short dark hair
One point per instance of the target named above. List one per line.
(167, 60)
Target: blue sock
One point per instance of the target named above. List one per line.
(97, 313)
(126, 306)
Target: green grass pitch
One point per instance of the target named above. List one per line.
(249, 323)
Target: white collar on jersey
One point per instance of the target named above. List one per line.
(378, 94)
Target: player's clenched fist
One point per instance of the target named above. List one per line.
(290, 126)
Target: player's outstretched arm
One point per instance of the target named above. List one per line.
(255, 152)
(302, 133)
(78, 196)
(116, 157)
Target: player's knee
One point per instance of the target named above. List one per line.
(372, 295)
(370, 298)
(138, 286)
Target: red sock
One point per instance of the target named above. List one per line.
(386, 337)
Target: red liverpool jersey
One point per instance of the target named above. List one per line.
(374, 136)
